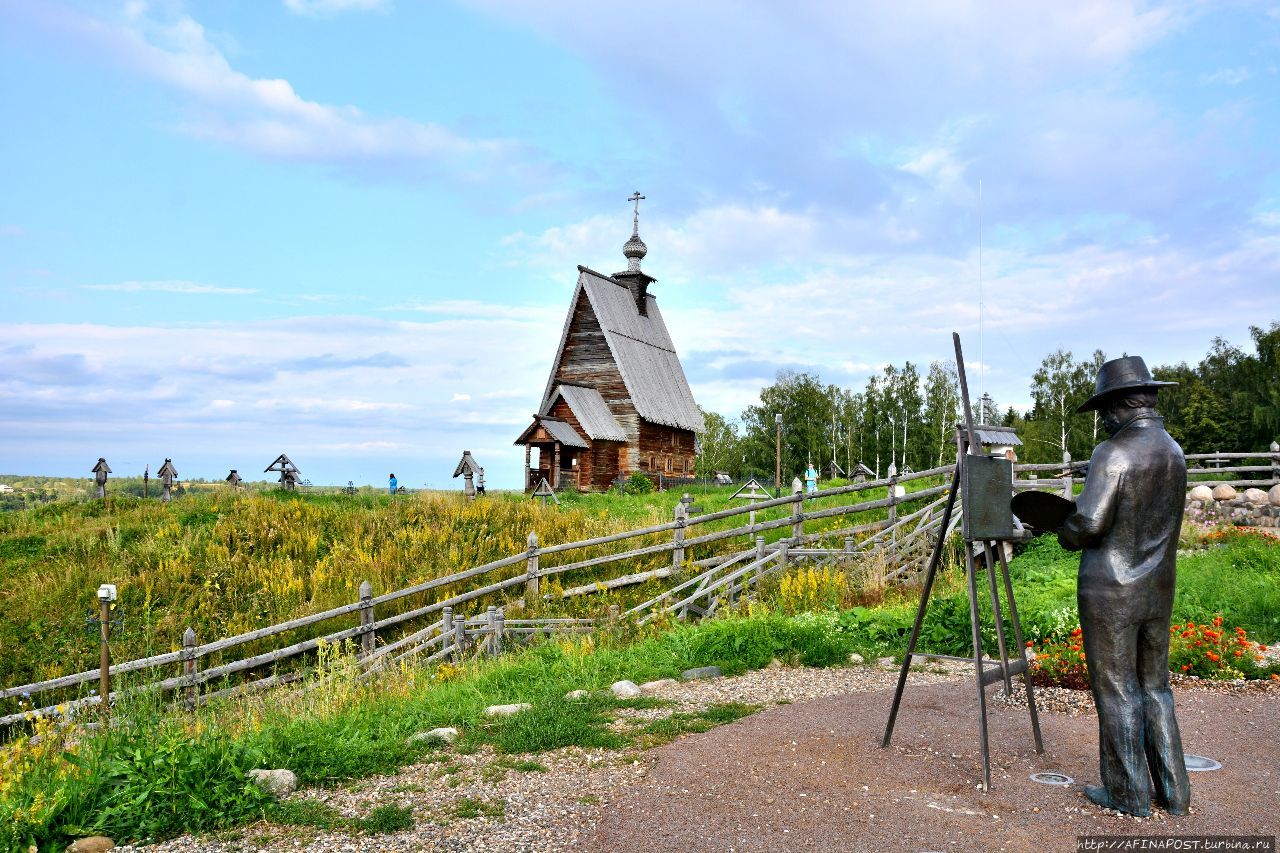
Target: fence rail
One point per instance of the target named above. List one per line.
(903, 539)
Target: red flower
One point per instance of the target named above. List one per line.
(1185, 667)
(1239, 653)
(1211, 656)
(1030, 644)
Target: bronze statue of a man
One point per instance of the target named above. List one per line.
(1127, 522)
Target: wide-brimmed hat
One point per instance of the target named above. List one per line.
(1121, 374)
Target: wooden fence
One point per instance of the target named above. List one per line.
(901, 540)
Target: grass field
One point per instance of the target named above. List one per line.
(225, 563)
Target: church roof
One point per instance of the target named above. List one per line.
(642, 349)
(591, 411)
(563, 432)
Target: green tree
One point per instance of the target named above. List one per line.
(941, 409)
(806, 406)
(719, 447)
(1058, 387)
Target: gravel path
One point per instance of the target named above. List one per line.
(800, 774)
(811, 776)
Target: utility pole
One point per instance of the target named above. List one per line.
(777, 455)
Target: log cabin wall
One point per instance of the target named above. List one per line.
(665, 449)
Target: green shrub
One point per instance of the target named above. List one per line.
(639, 484)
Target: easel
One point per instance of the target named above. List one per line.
(988, 522)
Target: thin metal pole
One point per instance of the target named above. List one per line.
(929, 575)
(1017, 638)
(977, 666)
(995, 611)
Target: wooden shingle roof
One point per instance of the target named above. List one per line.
(563, 432)
(591, 411)
(642, 349)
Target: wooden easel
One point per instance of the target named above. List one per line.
(985, 526)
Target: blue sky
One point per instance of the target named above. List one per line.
(348, 229)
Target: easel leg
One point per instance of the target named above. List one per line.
(995, 611)
(974, 617)
(1017, 638)
(930, 573)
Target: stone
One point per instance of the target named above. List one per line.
(886, 663)
(277, 783)
(1223, 492)
(650, 686)
(506, 710)
(701, 672)
(1201, 493)
(92, 844)
(442, 735)
(575, 695)
(1255, 496)
(1274, 495)
(857, 659)
(625, 689)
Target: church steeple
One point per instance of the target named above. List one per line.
(634, 249)
(633, 278)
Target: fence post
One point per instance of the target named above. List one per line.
(491, 623)
(190, 667)
(1066, 474)
(531, 571)
(848, 544)
(459, 635)
(106, 593)
(1275, 461)
(499, 631)
(677, 553)
(613, 614)
(759, 547)
(367, 638)
(797, 511)
(446, 628)
(783, 546)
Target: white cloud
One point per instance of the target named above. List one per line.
(329, 7)
(1228, 76)
(170, 287)
(267, 117)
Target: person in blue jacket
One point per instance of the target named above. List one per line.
(393, 484)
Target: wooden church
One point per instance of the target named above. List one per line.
(616, 400)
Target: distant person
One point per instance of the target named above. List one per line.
(811, 479)
(393, 484)
(480, 483)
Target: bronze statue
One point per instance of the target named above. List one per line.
(1127, 522)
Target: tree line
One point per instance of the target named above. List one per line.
(904, 417)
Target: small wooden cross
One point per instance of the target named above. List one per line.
(637, 198)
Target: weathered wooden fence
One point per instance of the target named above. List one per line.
(901, 541)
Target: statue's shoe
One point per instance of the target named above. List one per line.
(1159, 801)
(1099, 796)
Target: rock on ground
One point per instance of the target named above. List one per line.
(701, 672)
(1201, 493)
(625, 689)
(92, 844)
(506, 710)
(277, 783)
(1223, 492)
(441, 735)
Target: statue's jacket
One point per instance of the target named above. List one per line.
(1127, 521)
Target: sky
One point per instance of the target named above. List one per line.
(348, 230)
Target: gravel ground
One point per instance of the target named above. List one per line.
(785, 778)
(811, 777)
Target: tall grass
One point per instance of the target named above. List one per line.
(225, 563)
